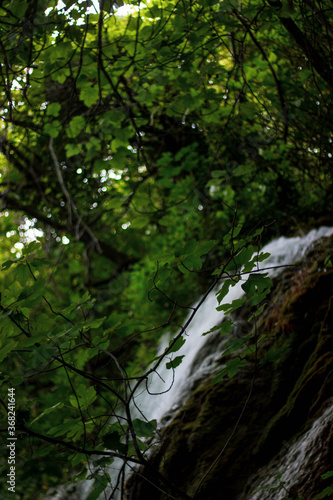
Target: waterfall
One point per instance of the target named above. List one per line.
(297, 458)
(168, 389)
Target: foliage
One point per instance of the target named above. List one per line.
(143, 150)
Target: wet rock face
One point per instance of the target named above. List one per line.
(221, 443)
(298, 467)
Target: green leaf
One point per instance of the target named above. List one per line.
(226, 327)
(89, 96)
(236, 230)
(53, 109)
(174, 362)
(53, 128)
(61, 76)
(327, 492)
(6, 312)
(57, 406)
(140, 222)
(257, 283)
(327, 474)
(73, 149)
(231, 369)
(94, 323)
(112, 442)
(188, 249)
(75, 126)
(109, 5)
(163, 275)
(16, 381)
(274, 355)
(6, 349)
(84, 397)
(218, 173)
(328, 261)
(224, 290)
(177, 345)
(205, 247)
(241, 259)
(144, 429)
(7, 264)
(262, 256)
(229, 308)
(22, 274)
(256, 299)
(234, 344)
(19, 8)
(99, 486)
(258, 311)
(30, 296)
(191, 253)
(214, 329)
(54, 407)
(192, 263)
(69, 3)
(33, 246)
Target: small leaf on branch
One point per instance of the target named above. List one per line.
(144, 429)
(177, 345)
(174, 362)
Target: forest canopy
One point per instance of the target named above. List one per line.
(145, 153)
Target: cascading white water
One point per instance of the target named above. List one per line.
(298, 457)
(166, 387)
(286, 251)
(168, 390)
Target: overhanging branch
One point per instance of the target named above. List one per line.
(314, 57)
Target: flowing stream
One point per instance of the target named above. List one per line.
(168, 389)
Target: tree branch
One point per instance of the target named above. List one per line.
(78, 449)
(313, 55)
